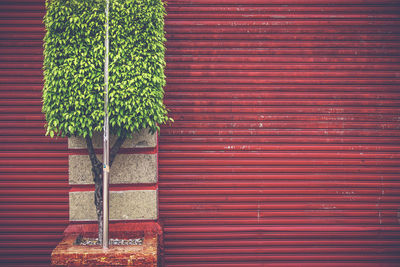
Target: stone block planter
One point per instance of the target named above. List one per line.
(68, 253)
(133, 206)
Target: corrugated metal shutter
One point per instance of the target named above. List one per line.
(285, 146)
(33, 168)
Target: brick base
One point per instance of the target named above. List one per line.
(68, 254)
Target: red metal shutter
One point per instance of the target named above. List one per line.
(33, 168)
(285, 146)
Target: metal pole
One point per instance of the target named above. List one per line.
(106, 144)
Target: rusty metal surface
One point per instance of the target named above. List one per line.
(33, 168)
(285, 146)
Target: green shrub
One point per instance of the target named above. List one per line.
(73, 94)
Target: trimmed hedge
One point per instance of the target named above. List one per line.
(73, 94)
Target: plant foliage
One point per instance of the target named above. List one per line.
(73, 94)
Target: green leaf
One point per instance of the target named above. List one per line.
(73, 95)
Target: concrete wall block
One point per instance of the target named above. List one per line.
(124, 205)
(126, 169)
(140, 139)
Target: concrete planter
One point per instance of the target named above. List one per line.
(133, 206)
(67, 253)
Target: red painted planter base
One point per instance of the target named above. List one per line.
(68, 254)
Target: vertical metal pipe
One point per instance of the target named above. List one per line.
(106, 144)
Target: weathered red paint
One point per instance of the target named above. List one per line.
(33, 168)
(285, 146)
(284, 151)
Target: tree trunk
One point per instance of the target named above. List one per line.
(98, 196)
(97, 172)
